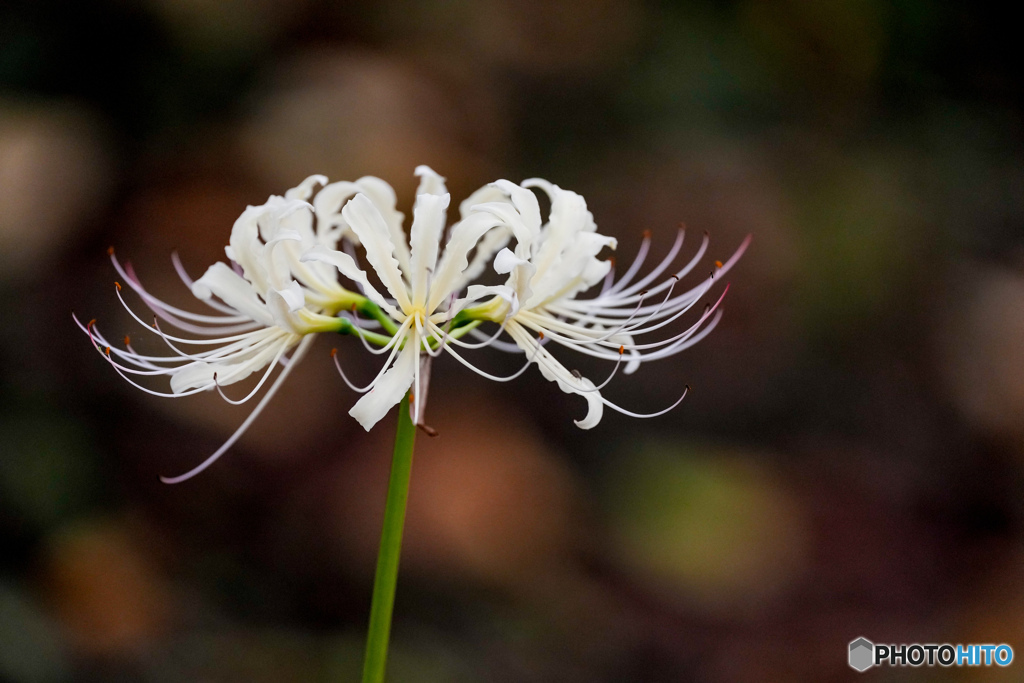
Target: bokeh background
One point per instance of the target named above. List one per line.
(851, 458)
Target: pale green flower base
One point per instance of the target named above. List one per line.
(386, 577)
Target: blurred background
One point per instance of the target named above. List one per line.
(849, 463)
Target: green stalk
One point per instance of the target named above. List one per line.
(390, 548)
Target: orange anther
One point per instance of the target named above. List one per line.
(91, 323)
(118, 285)
(412, 397)
(622, 349)
(718, 264)
(540, 335)
(108, 350)
(647, 234)
(110, 251)
(127, 340)
(334, 352)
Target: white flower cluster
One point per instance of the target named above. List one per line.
(294, 270)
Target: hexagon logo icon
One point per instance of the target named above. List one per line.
(862, 654)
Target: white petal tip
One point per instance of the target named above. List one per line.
(505, 261)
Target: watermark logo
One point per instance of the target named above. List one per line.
(863, 654)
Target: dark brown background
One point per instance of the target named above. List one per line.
(850, 459)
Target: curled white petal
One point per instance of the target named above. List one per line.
(233, 290)
(428, 219)
(388, 390)
(430, 181)
(367, 222)
(553, 371)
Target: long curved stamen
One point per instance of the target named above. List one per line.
(642, 416)
(299, 352)
(424, 342)
(507, 347)
(717, 273)
(246, 345)
(667, 321)
(487, 375)
(527, 315)
(638, 330)
(270, 369)
(675, 344)
(629, 295)
(353, 387)
(125, 377)
(605, 383)
(137, 359)
(188, 282)
(447, 326)
(596, 310)
(95, 335)
(182, 340)
(394, 350)
(366, 345)
(104, 348)
(488, 341)
(625, 328)
(634, 267)
(667, 261)
(153, 302)
(125, 371)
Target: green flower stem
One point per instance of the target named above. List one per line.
(368, 308)
(390, 548)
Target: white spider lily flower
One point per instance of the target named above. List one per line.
(558, 261)
(268, 303)
(420, 287)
